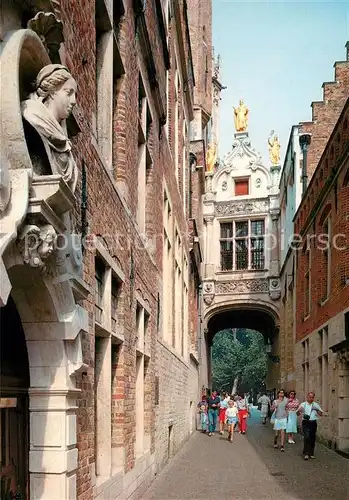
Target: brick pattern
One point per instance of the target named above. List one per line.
(327, 195)
(325, 114)
(112, 207)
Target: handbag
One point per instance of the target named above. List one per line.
(307, 417)
(272, 418)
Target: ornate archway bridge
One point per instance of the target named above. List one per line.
(241, 285)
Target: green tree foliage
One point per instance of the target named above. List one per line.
(238, 353)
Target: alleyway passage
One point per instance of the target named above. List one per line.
(250, 469)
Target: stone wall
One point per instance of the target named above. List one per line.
(327, 389)
(178, 394)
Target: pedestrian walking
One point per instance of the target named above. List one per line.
(310, 411)
(243, 414)
(222, 409)
(264, 401)
(231, 418)
(203, 414)
(292, 407)
(213, 403)
(279, 419)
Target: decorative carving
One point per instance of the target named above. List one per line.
(50, 31)
(274, 289)
(343, 356)
(274, 148)
(208, 288)
(241, 117)
(208, 299)
(242, 286)
(216, 95)
(258, 182)
(46, 110)
(224, 185)
(242, 149)
(241, 207)
(37, 244)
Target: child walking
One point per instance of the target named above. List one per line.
(203, 414)
(231, 419)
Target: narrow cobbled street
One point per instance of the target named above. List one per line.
(251, 469)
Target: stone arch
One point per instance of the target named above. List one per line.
(256, 314)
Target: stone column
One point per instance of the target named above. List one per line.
(275, 253)
(209, 267)
(53, 361)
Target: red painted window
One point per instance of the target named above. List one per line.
(241, 187)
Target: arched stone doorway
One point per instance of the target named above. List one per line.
(14, 407)
(259, 317)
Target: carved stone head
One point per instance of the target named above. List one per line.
(57, 90)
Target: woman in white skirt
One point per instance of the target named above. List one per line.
(292, 407)
(279, 418)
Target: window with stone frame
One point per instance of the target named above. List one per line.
(305, 365)
(109, 73)
(242, 245)
(323, 367)
(307, 278)
(326, 259)
(145, 122)
(116, 296)
(99, 289)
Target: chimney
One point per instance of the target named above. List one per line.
(304, 141)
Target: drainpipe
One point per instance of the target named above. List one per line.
(192, 163)
(304, 142)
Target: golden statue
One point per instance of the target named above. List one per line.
(211, 157)
(241, 117)
(274, 148)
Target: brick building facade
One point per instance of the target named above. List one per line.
(325, 114)
(110, 344)
(322, 293)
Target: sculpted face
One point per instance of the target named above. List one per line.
(64, 99)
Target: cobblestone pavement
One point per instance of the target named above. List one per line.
(250, 469)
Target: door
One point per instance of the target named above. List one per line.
(14, 383)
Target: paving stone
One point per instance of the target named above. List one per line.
(250, 469)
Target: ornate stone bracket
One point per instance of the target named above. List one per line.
(274, 288)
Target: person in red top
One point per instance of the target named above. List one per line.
(243, 414)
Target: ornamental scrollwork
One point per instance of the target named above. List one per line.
(241, 207)
(242, 286)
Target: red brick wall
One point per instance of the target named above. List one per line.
(109, 215)
(328, 193)
(325, 114)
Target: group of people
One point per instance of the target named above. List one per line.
(232, 411)
(284, 417)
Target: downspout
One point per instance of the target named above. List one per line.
(192, 163)
(304, 141)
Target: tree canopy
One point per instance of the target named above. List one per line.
(238, 355)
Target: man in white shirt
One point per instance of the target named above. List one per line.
(310, 411)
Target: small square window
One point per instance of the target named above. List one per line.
(241, 187)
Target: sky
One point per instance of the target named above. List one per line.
(275, 55)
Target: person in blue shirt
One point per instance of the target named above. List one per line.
(310, 411)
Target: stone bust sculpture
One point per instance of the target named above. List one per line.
(46, 110)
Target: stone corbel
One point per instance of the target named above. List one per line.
(274, 288)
